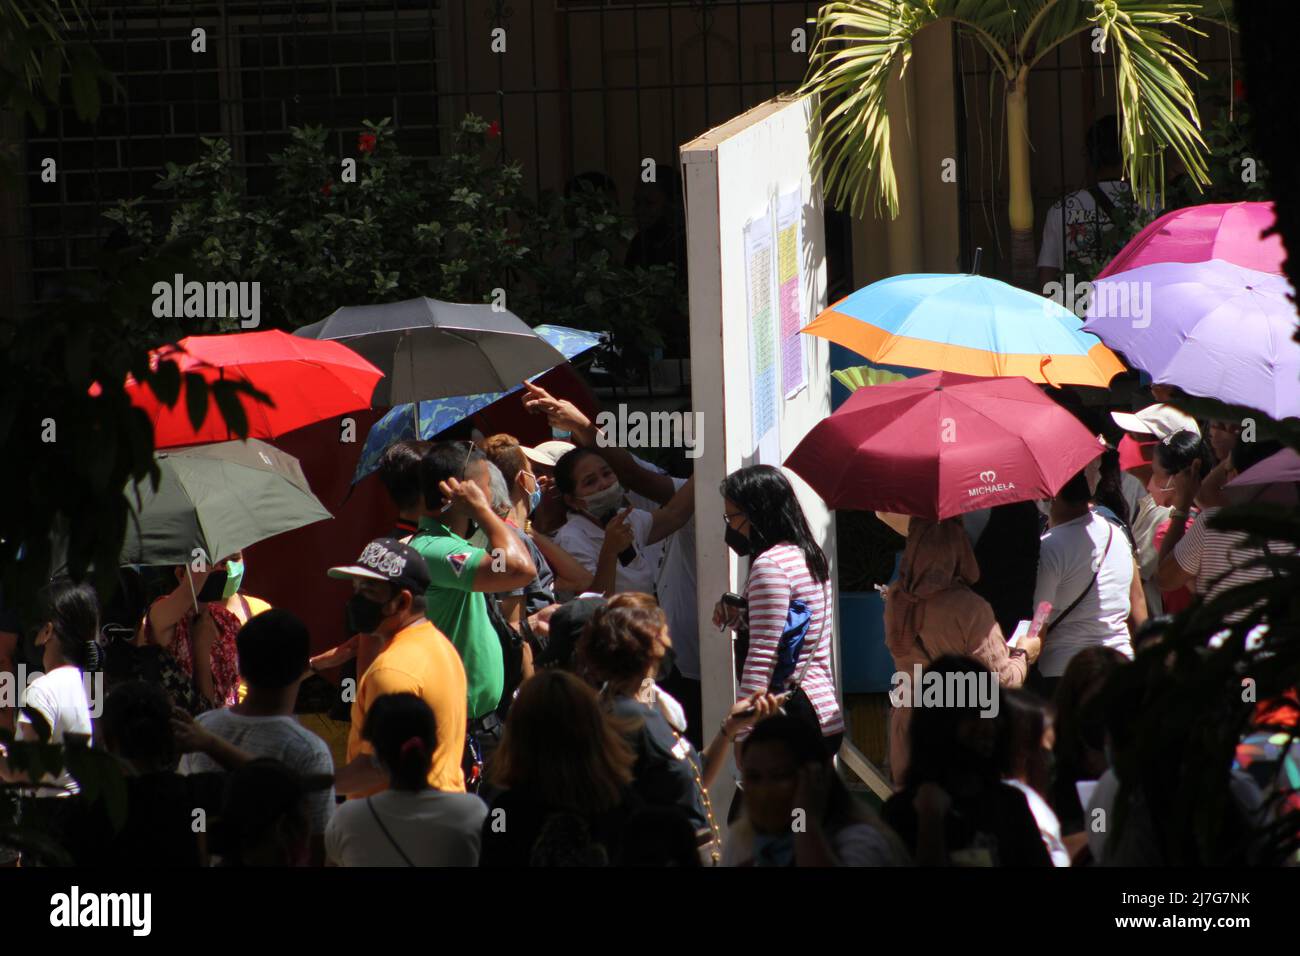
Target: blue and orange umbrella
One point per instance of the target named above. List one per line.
(968, 324)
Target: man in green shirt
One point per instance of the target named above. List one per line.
(454, 479)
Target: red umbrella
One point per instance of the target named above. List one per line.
(308, 380)
(943, 444)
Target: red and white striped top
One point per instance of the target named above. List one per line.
(778, 576)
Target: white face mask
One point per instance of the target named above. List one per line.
(602, 504)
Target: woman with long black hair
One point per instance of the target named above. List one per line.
(788, 570)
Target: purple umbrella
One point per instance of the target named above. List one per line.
(1211, 328)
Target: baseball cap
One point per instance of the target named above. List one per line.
(1160, 421)
(388, 560)
(566, 628)
(548, 452)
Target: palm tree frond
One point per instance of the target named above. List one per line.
(1157, 107)
(857, 46)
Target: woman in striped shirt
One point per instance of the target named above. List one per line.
(765, 522)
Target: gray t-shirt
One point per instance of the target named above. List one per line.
(280, 738)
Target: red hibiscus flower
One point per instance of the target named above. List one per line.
(327, 189)
(1238, 89)
(366, 142)
(494, 129)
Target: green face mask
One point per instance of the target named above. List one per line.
(234, 577)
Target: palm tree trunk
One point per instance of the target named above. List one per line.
(1020, 208)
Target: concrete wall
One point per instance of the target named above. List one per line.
(729, 173)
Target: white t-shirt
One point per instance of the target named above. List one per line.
(1066, 560)
(433, 828)
(1080, 225)
(676, 585)
(280, 738)
(60, 697)
(1049, 827)
(582, 538)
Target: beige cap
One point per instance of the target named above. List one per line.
(548, 452)
(1161, 421)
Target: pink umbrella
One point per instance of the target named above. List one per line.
(1275, 480)
(1228, 230)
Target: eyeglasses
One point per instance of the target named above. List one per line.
(727, 516)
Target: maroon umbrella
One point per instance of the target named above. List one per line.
(943, 444)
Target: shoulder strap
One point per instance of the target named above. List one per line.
(1104, 202)
(375, 813)
(1110, 536)
(826, 617)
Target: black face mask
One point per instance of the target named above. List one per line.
(736, 541)
(364, 614)
(212, 588)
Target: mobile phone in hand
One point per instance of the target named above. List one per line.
(780, 698)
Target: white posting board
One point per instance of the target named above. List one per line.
(755, 167)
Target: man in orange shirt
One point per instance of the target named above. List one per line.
(389, 581)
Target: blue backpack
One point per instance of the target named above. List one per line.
(797, 620)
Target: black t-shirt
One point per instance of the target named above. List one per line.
(995, 828)
(666, 763)
(160, 822)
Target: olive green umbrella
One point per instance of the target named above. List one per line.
(214, 500)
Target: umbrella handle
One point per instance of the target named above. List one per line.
(1045, 361)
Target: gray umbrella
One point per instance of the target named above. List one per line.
(431, 349)
(218, 498)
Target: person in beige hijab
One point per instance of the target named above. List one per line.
(930, 611)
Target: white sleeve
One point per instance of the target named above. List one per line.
(43, 700)
(583, 550)
(649, 466)
(1050, 254)
(642, 522)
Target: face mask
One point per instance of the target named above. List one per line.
(604, 503)
(234, 578)
(736, 541)
(213, 587)
(364, 615)
(534, 497)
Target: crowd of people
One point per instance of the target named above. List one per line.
(523, 685)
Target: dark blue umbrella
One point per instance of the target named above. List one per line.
(426, 419)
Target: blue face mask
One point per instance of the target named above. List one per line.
(534, 496)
